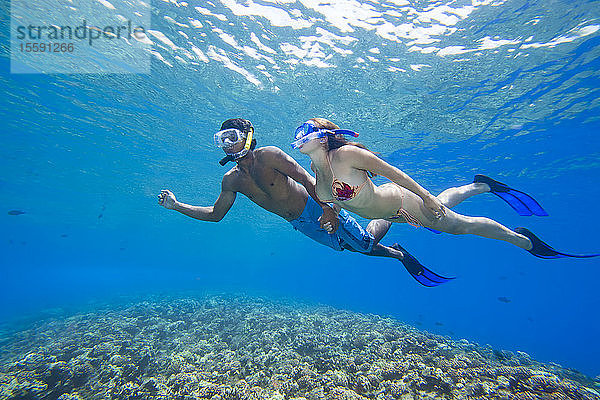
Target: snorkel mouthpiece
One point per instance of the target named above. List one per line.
(226, 159)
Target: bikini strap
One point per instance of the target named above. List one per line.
(330, 167)
(363, 184)
(333, 176)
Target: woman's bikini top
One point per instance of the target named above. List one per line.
(342, 191)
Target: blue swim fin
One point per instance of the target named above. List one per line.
(421, 274)
(522, 203)
(543, 250)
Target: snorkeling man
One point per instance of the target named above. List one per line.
(276, 182)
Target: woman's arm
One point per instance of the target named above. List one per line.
(358, 158)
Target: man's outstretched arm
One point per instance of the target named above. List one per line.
(213, 213)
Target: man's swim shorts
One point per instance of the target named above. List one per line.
(349, 233)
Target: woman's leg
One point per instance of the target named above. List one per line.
(480, 226)
(455, 195)
(449, 198)
(454, 223)
(459, 224)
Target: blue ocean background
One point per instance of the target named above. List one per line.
(443, 90)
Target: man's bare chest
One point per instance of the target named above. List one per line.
(264, 184)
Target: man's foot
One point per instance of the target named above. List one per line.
(421, 274)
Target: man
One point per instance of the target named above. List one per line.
(276, 182)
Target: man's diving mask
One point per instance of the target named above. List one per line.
(228, 138)
(308, 131)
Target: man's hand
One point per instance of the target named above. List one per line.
(329, 220)
(167, 199)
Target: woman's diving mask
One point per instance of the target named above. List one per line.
(308, 131)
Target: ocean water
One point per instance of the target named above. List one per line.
(441, 89)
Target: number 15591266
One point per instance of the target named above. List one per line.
(47, 47)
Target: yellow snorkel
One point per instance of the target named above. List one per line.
(249, 140)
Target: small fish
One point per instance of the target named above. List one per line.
(504, 299)
(102, 211)
(64, 235)
(439, 324)
(16, 212)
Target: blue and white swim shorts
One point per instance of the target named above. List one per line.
(349, 233)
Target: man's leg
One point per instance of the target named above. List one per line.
(378, 228)
(353, 237)
(378, 250)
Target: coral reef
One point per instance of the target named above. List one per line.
(238, 348)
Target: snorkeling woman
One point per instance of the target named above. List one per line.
(344, 169)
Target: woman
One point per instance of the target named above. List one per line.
(343, 170)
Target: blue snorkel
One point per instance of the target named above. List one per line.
(308, 131)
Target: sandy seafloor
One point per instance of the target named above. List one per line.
(226, 347)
